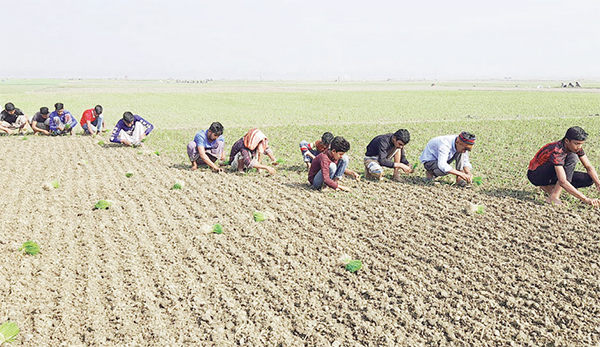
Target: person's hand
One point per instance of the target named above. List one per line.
(274, 163)
(217, 169)
(126, 143)
(45, 132)
(356, 176)
(344, 188)
(271, 170)
(593, 202)
(465, 176)
(9, 132)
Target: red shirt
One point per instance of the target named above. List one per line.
(554, 152)
(88, 115)
(321, 163)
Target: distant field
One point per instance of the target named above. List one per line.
(512, 119)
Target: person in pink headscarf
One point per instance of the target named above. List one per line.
(246, 153)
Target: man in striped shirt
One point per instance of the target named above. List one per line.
(553, 168)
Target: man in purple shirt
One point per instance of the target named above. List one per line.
(131, 130)
(61, 120)
(208, 146)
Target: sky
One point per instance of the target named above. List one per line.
(300, 40)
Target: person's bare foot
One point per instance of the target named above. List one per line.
(398, 178)
(556, 202)
(194, 166)
(429, 175)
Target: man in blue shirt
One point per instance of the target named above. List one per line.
(131, 130)
(61, 120)
(443, 150)
(208, 146)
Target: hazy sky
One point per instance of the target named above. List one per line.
(323, 39)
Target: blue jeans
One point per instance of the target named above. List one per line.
(97, 123)
(335, 171)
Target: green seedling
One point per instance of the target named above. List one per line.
(217, 229)
(280, 161)
(101, 143)
(144, 139)
(415, 166)
(67, 127)
(480, 209)
(24, 138)
(8, 332)
(55, 184)
(350, 264)
(128, 174)
(478, 180)
(226, 162)
(103, 205)
(259, 216)
(157, 153)
(178, 185)
(30, 247)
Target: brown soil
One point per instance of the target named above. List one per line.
(144, 273)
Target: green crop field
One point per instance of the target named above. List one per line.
(511, 119)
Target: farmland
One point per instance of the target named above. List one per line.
(144, 272)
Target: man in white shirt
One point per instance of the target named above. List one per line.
(441, 151)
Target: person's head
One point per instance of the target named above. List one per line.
(9, 107)
(214, 131)
(128, 118)
(401, 138)
(59, 107)
(575, 138)
(339, 146)
(327, 138)
(465, 142)
(44, 111)
(98, 110)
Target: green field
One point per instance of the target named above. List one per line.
(511, 119)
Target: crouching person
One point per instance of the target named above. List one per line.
(131, 130)
(247, 152)
(207, 147)
(441, 151)
(311, 150)
(553, 168)
(92, 121)
(11, 118)
(387, 150)
(329, 167)
(40, 122)
(62, 121)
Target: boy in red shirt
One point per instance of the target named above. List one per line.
(329, 167)
(553, 168)
(92, 121)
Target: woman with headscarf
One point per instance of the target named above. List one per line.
(246, 153)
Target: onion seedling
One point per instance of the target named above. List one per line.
(30, 247)
(128, 174)
(103, 205)
(101, 143)
(157, 152)
(8, 332)
(259, 216)
(217, 229)
(350, 264)
(178, 185)
(55, 184)
(478, 180)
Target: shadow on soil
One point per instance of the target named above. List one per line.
(513, 193)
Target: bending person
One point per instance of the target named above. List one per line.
(387, 150)
(131, 130)
(207, 147)
(553, 168)
(61, 120)
(246, 153)
(11, 118)
(441, 151)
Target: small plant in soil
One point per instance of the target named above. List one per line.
(128, 174)
(103, 205)
(478, 180)
(157, 152)
(217, 229)
(24, 138)
(480, 209)
(280, 161)
(178, 185)
(101, 143)
(8, 332)
(259, 216)
(415, 166)
(350, 264)
(30, 247)
(55, 184)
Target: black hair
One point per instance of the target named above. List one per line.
(216, 128)
(402, 135)
(340, 144)
(59, 106)
(9, 106)
(98, 109)
(44, 110)
(576, 134)
(327, 138)
(128, 117)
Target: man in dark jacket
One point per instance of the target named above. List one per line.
(387, 151)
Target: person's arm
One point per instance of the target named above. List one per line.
(590, 170)
(352, 174)
(149, 127)
(114, 136)
(562, 180)
(400, 162)
(5, 129)
(269, 153)
(206, 159)
(35, 128)
(89, 127)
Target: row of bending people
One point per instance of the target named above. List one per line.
(130, 130)
(552, 167)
